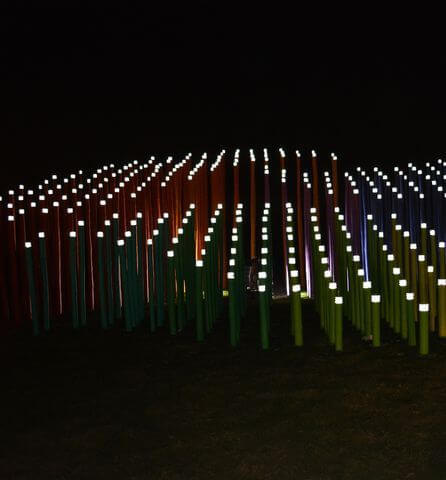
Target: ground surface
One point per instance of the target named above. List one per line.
(116, 406)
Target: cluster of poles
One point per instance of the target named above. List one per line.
(158, 244)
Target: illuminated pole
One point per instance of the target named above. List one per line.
(299, 209)
(339, 327)
(82, 274)
(253, 205)
(199, 324)
(44, 282)
(264, 313)
(376, 324)
(32, 288)
(101, 280)
(171, 292)
(441, 282)
(424, 328)
(412, 340)
(151, 280)
(315, 181)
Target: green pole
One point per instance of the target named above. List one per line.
(82, 274)
(102, 304)
(356, 293)
(441, 282)
(179, 282)
(367, 288)
(136, 290)
(432, 291)
(159, 278)
(422, 280)
(151, 281)
(189, 268)
(412, 338)
(170, 292)
(423, 309)
(332, 287)
(361, 301)
(339, 343)
(376, 320)
(129, 282)
(263, 304)
(403, 308)
(385, 308)
(116, 276)
(44, 280)
(396, 300)
(349, 292)
(73, 278)
(140, 265)
(296, 313)
(207, 295)
(32, 288)
(232, 308)
(199, 323)
(391, 285)
(124, 282)
(109, 272)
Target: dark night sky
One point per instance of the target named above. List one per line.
(85, 87)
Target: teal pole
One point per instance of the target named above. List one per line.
(108, 273)
(82, 274)
(102, 303)
(116, 276)
(32, 288)
(44, 280)
(170, 292)
(73, 277)
(199, 323)
(151, 289)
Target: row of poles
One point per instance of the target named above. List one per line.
(101, 248)
(149, 245)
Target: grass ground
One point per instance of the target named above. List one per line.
(138, 406)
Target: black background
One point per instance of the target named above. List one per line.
(84, 87)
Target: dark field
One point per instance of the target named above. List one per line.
(97, 405)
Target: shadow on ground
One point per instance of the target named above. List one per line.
(96, 404)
